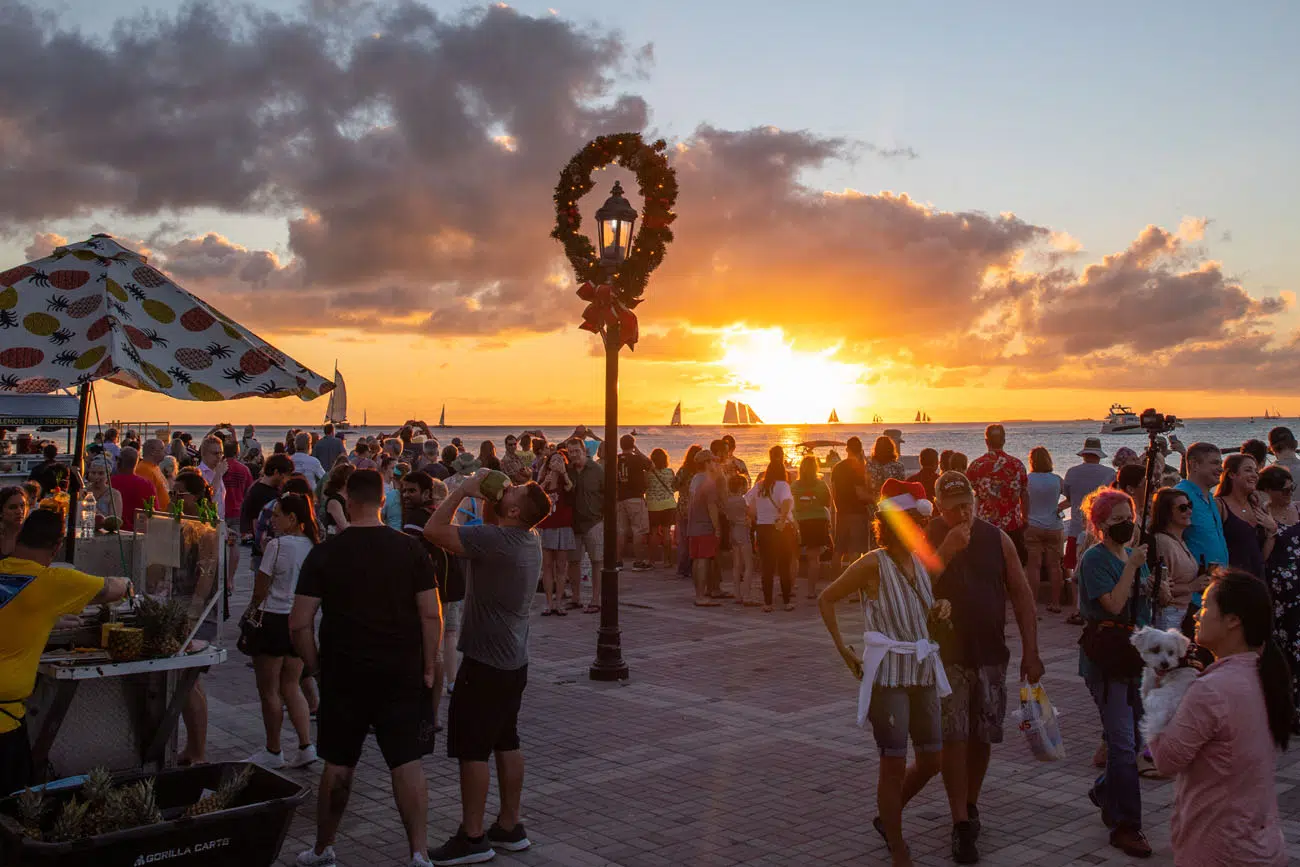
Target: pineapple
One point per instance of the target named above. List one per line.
(224, 797)
(69, 824)
(139, 806)
(125, 644)
(31, 809)
(163, 622)
(103, 802)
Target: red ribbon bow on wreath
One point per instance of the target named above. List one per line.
(604, 309)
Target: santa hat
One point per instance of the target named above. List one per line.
(899, 496)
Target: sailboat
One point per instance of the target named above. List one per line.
(442, 416)
(876, 419)
(834, 419)
(918, 415)
(739, 415)
(925, 418)
(337, 411)
(677, 416)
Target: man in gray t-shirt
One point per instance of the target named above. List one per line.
(505, 557)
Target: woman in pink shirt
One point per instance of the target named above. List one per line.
(1222, 742)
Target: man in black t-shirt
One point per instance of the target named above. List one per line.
(380, 633)
(275, 472)
(633, 519)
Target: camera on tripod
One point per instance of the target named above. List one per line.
(1157, 423)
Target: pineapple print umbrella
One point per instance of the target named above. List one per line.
(97, 310)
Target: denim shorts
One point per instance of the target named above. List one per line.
(897, 711)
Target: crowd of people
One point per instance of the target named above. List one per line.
(420, 584)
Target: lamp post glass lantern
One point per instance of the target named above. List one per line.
(615, 220)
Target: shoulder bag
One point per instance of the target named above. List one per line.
(1108, 642)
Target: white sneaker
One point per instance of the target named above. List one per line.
(309, 858)
(304, 757)
(269, 760)
(420, 860)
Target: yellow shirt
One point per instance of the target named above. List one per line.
(32, 599)
(152, 474)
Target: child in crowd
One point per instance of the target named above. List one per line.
(742, 550)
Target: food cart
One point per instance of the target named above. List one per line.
(100, 705)
(102, 701)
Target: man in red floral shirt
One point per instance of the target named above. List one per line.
(1001, 488)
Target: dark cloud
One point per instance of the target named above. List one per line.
(412, 155)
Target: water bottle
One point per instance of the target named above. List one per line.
(86, 514)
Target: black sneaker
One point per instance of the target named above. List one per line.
(963, 843)
(514, 840)
(460, 849)
(973, 814)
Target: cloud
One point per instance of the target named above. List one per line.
(411, 156)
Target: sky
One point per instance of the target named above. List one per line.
(997, 211)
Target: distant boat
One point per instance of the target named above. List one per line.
(918, 416)
(834, 419)
(677, 416)
(337, 411)
(1121, 420)
(925, 418)
(442, 416)
(739, 415)
(875, 419)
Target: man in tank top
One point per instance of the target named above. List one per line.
(982, 570)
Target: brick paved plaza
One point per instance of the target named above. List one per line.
(733, 743)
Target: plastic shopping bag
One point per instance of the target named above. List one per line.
(1037, 721)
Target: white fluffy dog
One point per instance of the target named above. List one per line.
(1166, 678)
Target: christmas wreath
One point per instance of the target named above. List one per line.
(657, 182)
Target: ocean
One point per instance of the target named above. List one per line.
(1062, 439)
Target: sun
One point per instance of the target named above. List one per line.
(788, 385)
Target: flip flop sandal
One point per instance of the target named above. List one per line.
(880, 829)
(789, 606)
(707, 603)
(591, 609)
(547, 612)
(560, 612)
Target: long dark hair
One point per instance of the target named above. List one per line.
(1231, 466)
(1162, 507)
(775, 469)
(1245, 596)
(301, 509)
(885, 451)
(688, 462)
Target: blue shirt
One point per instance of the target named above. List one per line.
(1099, 572)
(1204, 537)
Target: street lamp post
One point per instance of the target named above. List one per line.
(614, 223)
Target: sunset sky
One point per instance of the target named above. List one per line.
(986, 211)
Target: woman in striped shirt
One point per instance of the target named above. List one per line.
(902, 678)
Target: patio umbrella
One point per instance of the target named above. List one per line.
(97, 310)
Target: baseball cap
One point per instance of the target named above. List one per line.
(704, 456)
(1092, 446)
(953, 489)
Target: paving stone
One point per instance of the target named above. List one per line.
(732, 743)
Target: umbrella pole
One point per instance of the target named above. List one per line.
(78, 449)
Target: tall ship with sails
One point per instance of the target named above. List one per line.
(739, 415)
(336, 413)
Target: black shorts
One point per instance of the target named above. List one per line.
(15, 760)
(814, 533)
(484, 714)
(400, 711)
(663, 518)
(273, 638)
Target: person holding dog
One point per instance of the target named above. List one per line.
(1111, 602)
(1222, 741)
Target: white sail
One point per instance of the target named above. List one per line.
(442, 417)
(677, 416)
(753, 416)
(337, 410)
(742, 411)
(834, 419)
(729, 414)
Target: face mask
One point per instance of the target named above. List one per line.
(1120, 533)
